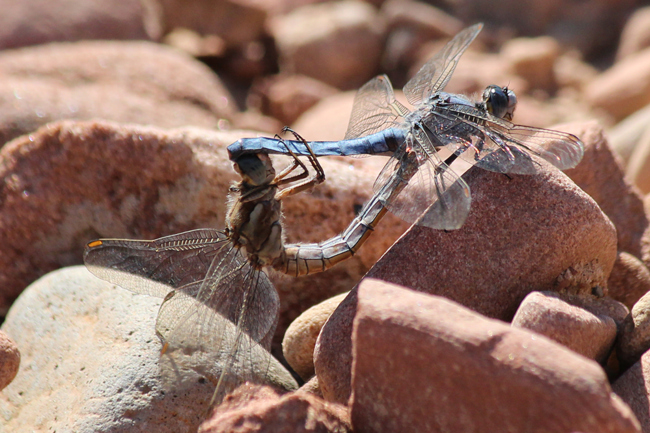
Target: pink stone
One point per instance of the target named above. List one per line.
(424, 363)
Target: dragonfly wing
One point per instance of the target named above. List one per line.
(155, 267)
(436, 73)
(224, 332)
(422, 189)
(500, 146)
(375, 108)
(561, 149)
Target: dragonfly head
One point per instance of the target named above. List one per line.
(500, 101)
(255, 168)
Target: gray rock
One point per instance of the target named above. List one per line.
(90, 362)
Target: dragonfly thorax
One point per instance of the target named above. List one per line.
(253, 222)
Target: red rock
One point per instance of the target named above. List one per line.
(37, 22)
(423, 363)
(635, 35)
(300, 338)
(634, 338)
(71, 182)
(9, 360)
(255, 408)
(624, 88)
(576, 328)
(629, 280)
(533, 59)
(515, 241)
(633, 388)
(237, 22)
(601, 175)
(134, 82)
(337, 43)
(286, 97)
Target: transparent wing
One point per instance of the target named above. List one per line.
(435, 74)
(375, 109)
(154, 267)
(501, 146)
(420, 188)
(223, 332)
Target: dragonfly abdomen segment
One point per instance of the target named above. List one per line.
(382, 142)
(304, 259)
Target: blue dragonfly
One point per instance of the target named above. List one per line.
(438, 140)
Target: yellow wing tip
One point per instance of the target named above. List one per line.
(94, 244)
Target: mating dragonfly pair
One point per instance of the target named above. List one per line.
(207, 275)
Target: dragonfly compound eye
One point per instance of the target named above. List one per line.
(501, 102)
(255, 169)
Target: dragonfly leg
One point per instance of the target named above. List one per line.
(305, 184)
(281, 178)
(320, 173)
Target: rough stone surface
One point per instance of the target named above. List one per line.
(71, 182)
(633, 387)
(601, 175)
(515, 241)
(338, 43)
(300, 338)
(9, 360)
(634, 338)
(576, 328)
(254, 408)
(624, 88)
(134, 82)
(90, 347)
(37, 22)
(423, 363)
(636, 33)
(629, 280)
